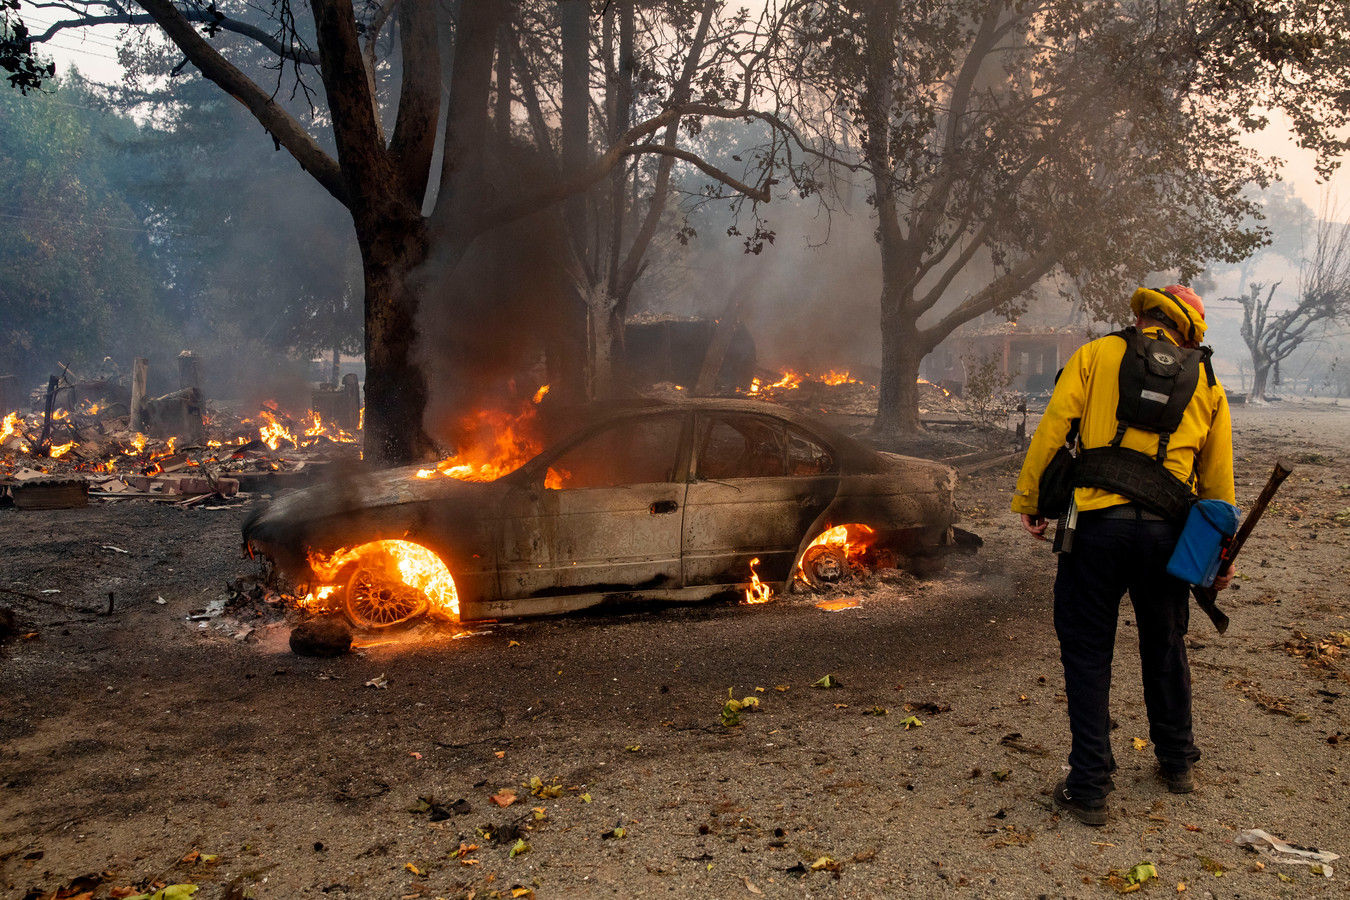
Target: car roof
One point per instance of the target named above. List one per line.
(854, 451)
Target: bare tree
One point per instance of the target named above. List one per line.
(1272, 333)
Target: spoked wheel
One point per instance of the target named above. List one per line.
(377, 598)
(825, 566)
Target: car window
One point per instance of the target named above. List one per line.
(641, 451)
(806, 457)
(741, 447)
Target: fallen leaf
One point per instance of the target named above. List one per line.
(911, 722)
(750, 886)
(500, 754)
(877, 711)
(634, 748)
(414, 754)
(617, 831)
(413, 869)
(528, 893)
(585, 798)
(1141, 873)
(503, 798)
(1140, 743)
(782, 687)
(520, 847)
(829, 681)
(379, 681)
(513, 643)
(825, 863)
(191, 857)
(172, 892)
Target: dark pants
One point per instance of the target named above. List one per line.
(1111, 556)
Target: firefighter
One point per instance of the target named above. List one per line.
(1134, 478)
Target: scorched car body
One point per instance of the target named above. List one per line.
(662, 502)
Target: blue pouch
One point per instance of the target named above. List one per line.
(1210, 525)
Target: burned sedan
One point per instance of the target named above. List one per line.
(680, 500)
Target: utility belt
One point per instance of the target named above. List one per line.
(1155, 494)
(1131, 512)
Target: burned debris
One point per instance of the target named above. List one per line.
(77, 440)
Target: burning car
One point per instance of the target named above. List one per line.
(678, 500)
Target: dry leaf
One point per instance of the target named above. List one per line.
(750, 886)
(1140, 743)
(503, 798)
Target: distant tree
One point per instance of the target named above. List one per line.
(78, 278)
(257, 262)
(1006, 142)
(1274, 331)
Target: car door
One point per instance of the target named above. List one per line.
(759, 483)
(603, 514)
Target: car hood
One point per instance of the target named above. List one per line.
(358, 498)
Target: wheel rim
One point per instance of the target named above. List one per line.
(376, 600)
(824, 566)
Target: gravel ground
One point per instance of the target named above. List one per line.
(140, 748)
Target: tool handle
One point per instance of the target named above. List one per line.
(1205, 596)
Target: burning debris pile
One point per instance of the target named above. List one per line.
(70, 449)
(841, 393)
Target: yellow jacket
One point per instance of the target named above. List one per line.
(1089, 389)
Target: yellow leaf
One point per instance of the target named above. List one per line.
(413, 869)
(513, 643)
(585, 798)
(501, 754)
(1140, 743)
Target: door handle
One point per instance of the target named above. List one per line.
(661, 507)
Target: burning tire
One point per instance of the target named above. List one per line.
(378, 598)
(825, 565)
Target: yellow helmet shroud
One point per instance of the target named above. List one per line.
(1184, 320)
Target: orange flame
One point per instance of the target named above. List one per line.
(273, 432)
(414, 565)
(757, 591)
(10, 426)
(499, 442)
(60, 450)
(849, 540)
(539, 394)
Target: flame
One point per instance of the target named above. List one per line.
(498, 442)
(414, 565)
(316, 427)
(757, 591)
(60, 450)
(834, 377)
(273, 432)
(849, 540)
(539, 394)
(10, 426)
(139, 442)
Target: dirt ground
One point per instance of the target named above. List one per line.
(140, 748)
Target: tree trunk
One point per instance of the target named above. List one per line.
(396, 387)
(1260, 377)
(901, 354)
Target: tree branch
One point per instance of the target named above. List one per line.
(280, 124)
